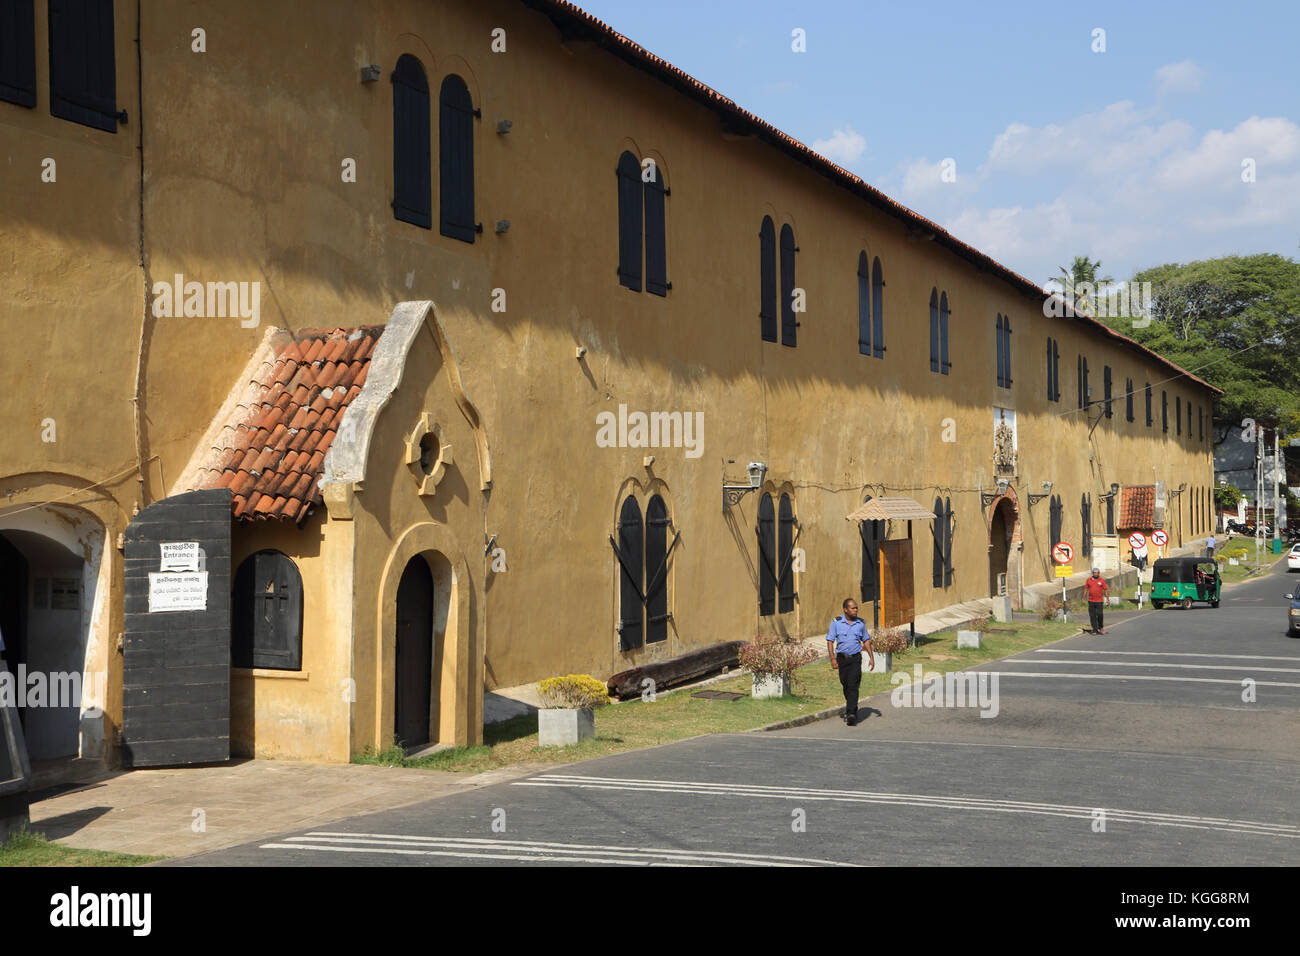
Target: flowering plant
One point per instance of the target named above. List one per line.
(575, 691)
(774, 657)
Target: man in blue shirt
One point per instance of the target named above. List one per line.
(844, 642)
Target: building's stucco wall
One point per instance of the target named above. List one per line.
(243, 152)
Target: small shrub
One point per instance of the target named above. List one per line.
(774, 657)
(574, 691)
(983, 625)
(1052, 608)
(890, 640)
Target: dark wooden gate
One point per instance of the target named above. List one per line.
(413, 671)
(176, 663)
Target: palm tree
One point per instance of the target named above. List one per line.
(1082, 271)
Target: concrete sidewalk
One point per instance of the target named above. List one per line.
(154, 812)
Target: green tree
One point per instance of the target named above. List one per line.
(1081, 284)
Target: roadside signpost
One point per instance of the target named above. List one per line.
(1160, 539)
(1063, 554)
(1138, 542)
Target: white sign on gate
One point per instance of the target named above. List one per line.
(179, 556)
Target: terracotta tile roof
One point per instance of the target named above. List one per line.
(575, 23)
(270, 451)
(1137, 507)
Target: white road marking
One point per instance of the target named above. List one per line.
(504, 849)
(1226, 657)
(1149, 818)
(1195, 667)
(1190, 680)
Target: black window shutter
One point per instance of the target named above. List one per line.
(1056, 371)
(631, 559)
(1164, 410)
(1128, 399)
(1002, 377)
(947, 542)
(864, 306)
(1056, 514)
(878, 309)
(1149, 418)
(944, 364)
(1085, 513)
(412, 172)
(1087, 392)
(789, 326)
(870, 532)
(1178, 413)
(456, 160)
(656, 571)
(656, 236)
(18, 52)
(266, 613)
(1049, 369)
(1110, 412)
(785, 556)
(937, 561)
(766, 556)
(934, 330)
(1006, 349)
(83, 81)
(629, 222)
(767, 278)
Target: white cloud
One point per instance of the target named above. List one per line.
(844, 146)
(1183, 77)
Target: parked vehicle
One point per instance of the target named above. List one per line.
(1184, 580)
(1293, 615)
(1240, 527)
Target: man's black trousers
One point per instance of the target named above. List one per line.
(850, 666)
(1094, 615)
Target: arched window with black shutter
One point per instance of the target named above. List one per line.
(456, 160)
(934, 330)
(785, 555)
(629, 222)
(789, 325)
(412, 171)
(656, 570)
(864, 305)
(871, 532)
(83, 72)
(937, 559)
(947, 542)
(656, 233)
(266, 613)
(18, 52)
(1056, 516)
(767, 279)
(877, 309)
(944, 364)
(766, 531)
(631, 561)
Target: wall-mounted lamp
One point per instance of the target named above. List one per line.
(369, 74)
(1047, 491)
(988, 497)
(1114, 490)
(731, 494)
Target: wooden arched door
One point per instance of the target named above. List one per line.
(413, 670)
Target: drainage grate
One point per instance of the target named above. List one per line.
(717, 695)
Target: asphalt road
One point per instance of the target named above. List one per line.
(1170, 740)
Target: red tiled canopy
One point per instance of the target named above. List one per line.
(271, 451)
(1137, 507)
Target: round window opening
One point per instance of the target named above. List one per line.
(429, 448)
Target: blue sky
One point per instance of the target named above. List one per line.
(1132, 155)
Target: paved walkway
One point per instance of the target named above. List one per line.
(153, 812)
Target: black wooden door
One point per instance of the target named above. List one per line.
(413, 683)
(13, 608)
(176, 663)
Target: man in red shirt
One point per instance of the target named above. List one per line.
(1095, 588)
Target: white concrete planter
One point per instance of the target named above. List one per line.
(560, 728)
(969, 639)
(771, 685)
(884, 664)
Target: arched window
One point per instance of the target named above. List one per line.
(766, 531)
(789, 325)
(767, 278)
(266, 613)
(656, 234)
(785, 555)
(877, 309)
(629, 222)
(412, 174)
(456, 160)
(944, 364)
(657, 524)
(934, 330)
(631, 559)
(864, 305)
